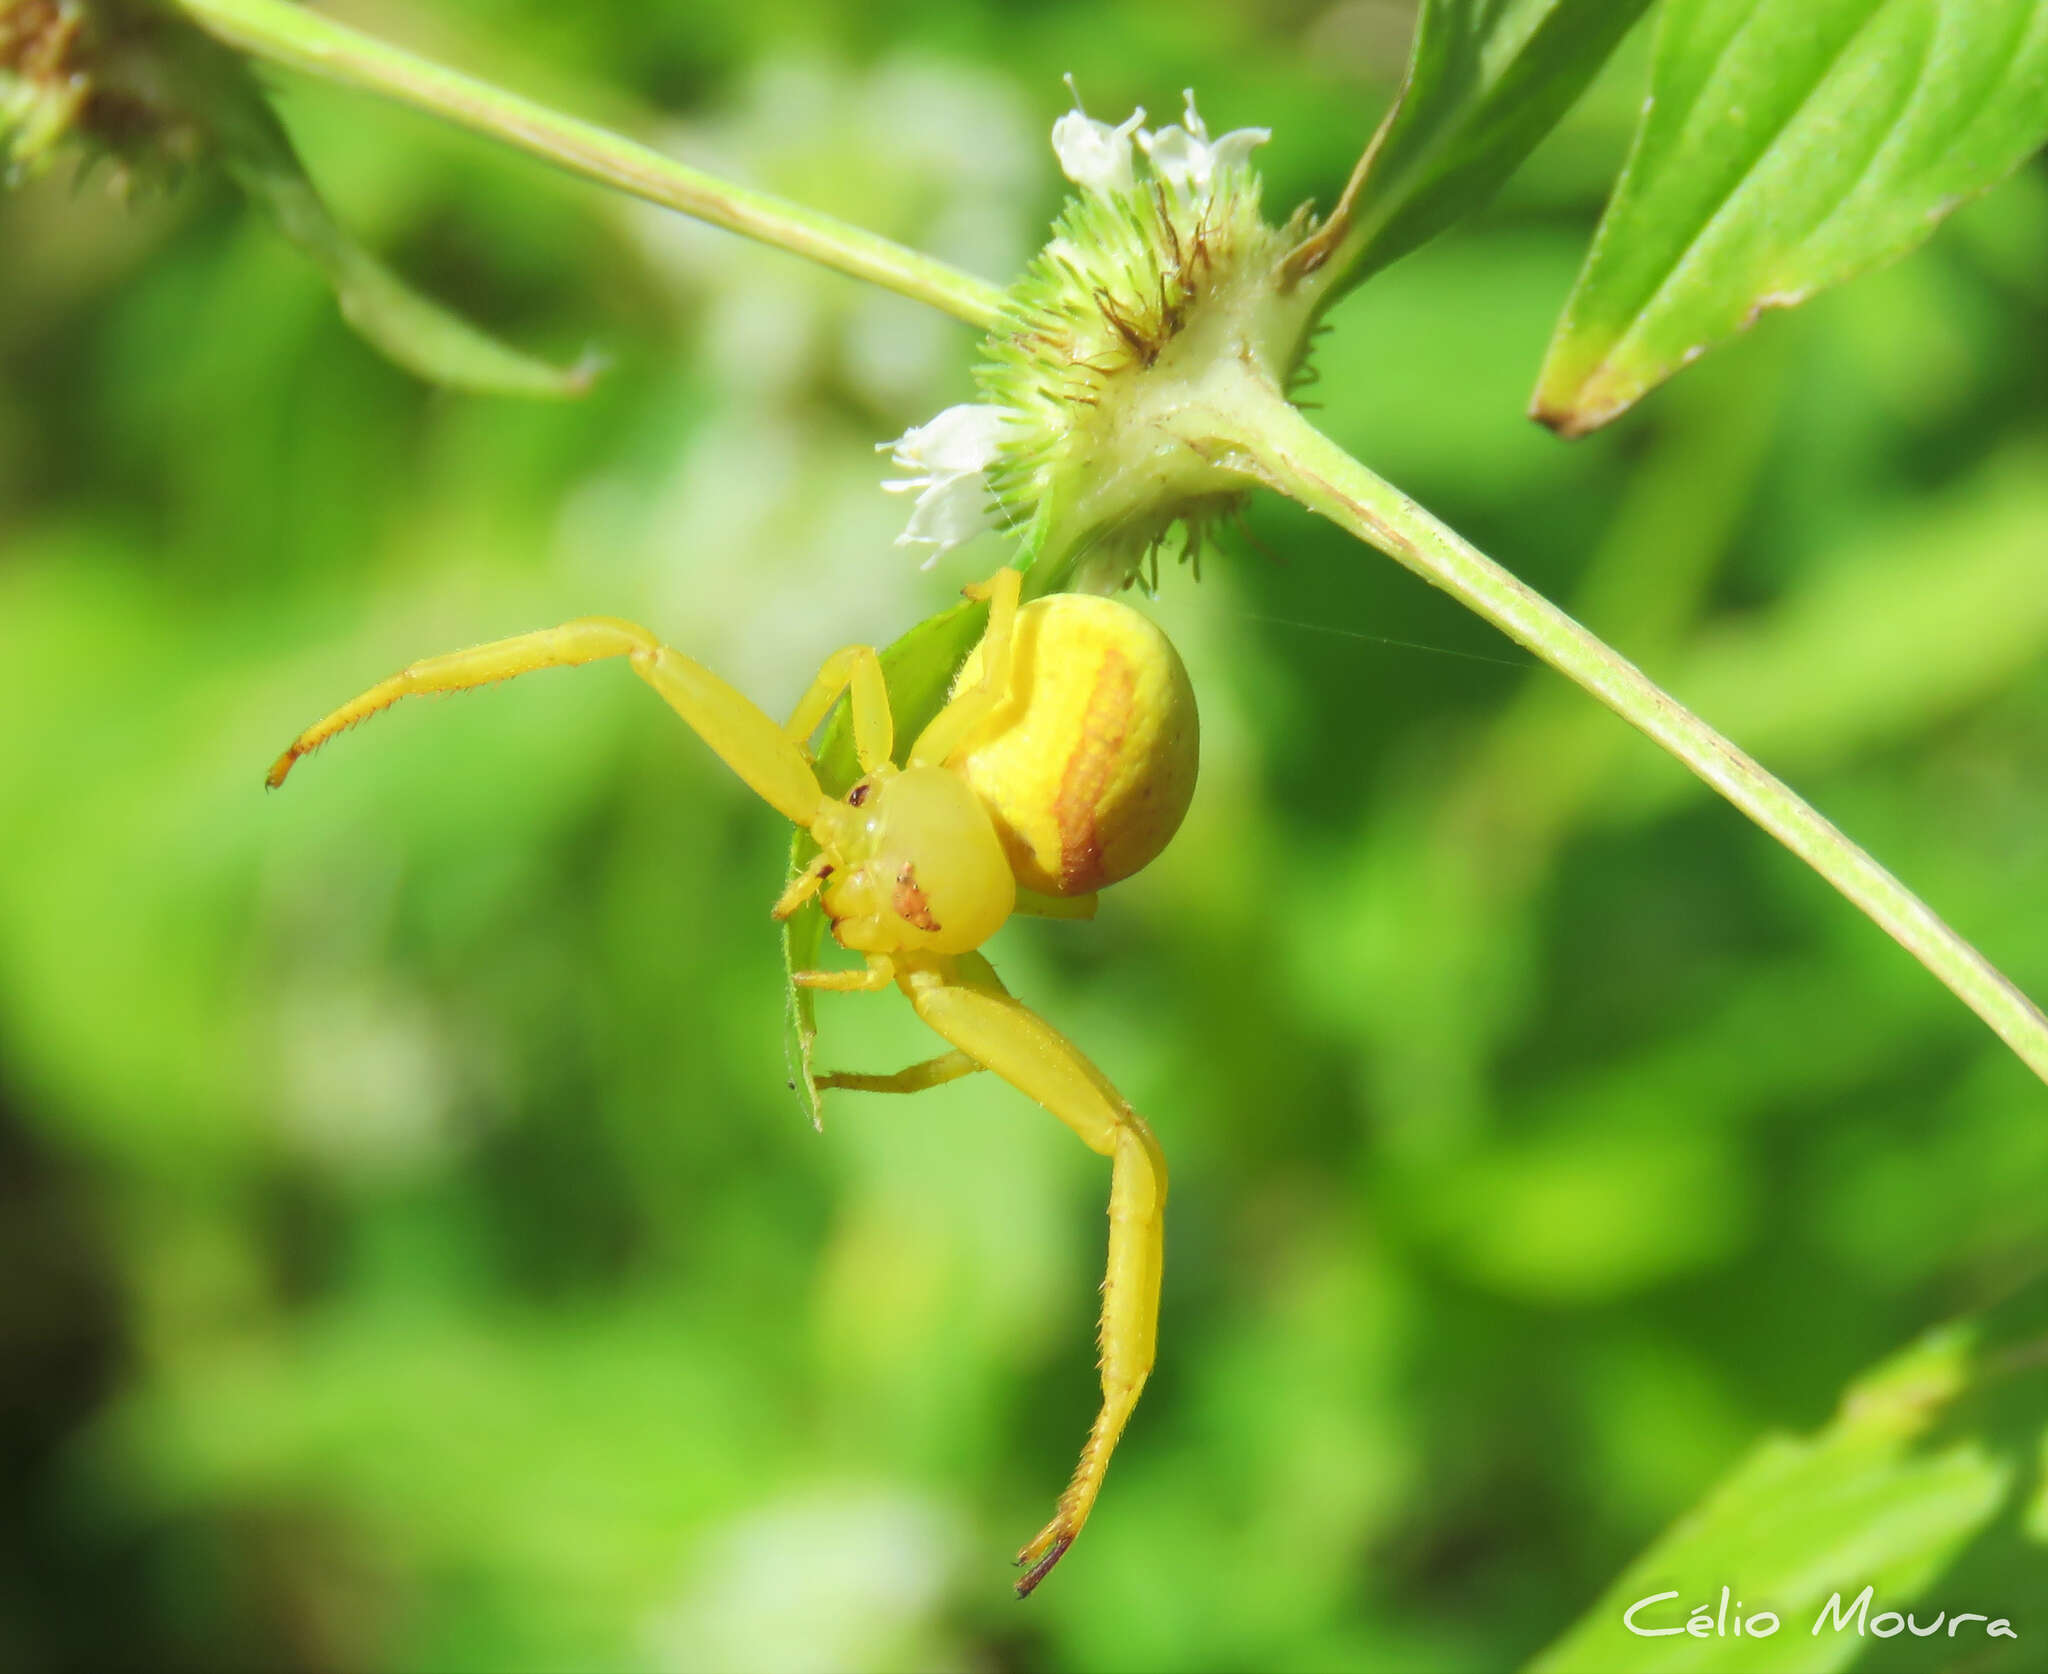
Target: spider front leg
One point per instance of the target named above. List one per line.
(965, 1002)
(742, 735)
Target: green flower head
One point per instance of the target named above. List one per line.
(1160, 268)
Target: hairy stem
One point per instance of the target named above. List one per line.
(292, 35)
(1272, 443)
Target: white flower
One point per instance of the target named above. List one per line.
(949, 459)
(1093, 155)
(1188, 159)
(1098, 158)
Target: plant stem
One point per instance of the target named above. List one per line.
(1275, 445)
(292, 35)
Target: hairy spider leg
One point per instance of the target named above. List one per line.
(964, 1000)
(743, 736)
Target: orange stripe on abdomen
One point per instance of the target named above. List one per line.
(1105, 720)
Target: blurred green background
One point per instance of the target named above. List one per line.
(410, 1257)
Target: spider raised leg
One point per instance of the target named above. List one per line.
(1063, 761)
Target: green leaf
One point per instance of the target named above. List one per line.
(1487, 80)
(419, 335)
(429, 341)
(918, 670)
(1934, 1453)
(1787, 145)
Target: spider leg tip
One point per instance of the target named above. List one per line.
(1027, 1582)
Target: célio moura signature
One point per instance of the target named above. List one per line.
(1707, 1621)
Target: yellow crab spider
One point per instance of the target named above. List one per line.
(1062, 761)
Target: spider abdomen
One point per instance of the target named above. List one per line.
(1088, 765)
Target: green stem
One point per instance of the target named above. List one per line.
(1272, 443)
(304, 40)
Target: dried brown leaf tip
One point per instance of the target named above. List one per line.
(43, 84)
(95, 77)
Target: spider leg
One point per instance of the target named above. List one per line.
(801, 887)
(965, 1002)
(571, 644)
(933, 1072)
(744, 738)
(874, 730)
(952, 725)
(876, 975)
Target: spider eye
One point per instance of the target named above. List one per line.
(859, 794)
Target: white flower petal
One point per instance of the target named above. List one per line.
(949, 459)
(1178, 157)
(1188, 159)
(962, 438)
(1092, 154)
(948, 513)
(1234, 150)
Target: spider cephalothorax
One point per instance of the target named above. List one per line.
(910, 862)
(1062, 761)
